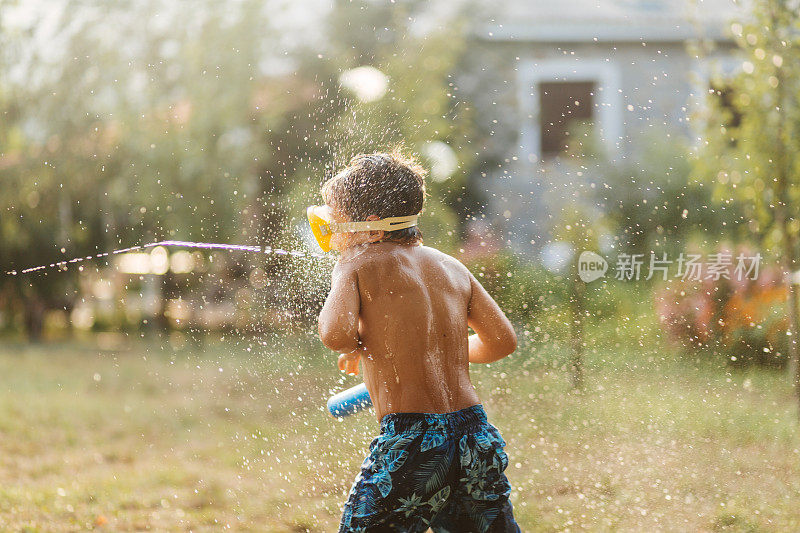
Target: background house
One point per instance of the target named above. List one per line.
(621, 73)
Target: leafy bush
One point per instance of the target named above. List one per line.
(742, 320)
(538, 301)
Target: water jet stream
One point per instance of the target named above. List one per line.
(178, 244)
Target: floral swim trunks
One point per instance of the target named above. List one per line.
(438, 471)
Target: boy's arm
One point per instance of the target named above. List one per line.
(494, 336)
(338, 320)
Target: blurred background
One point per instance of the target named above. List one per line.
(181, 388)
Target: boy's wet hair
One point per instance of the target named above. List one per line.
(382, 184)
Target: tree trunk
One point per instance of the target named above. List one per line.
(789, 259)
(34, 316)
(794, 322)
(788, 265)
(578, 307)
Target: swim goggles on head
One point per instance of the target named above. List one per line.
(319, 217)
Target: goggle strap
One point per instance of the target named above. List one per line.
(385, 224)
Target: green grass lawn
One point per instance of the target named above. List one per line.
(119, 433)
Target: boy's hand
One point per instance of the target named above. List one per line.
(348, 362)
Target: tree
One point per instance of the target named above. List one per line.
(421, 105)
(117, 137)
(656, 204)
(582, 228)
(207, 124)
(754, 160)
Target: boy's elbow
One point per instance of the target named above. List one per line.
(329, 336)
(336, 339)
(499, 348)
(512, 345)
(508, 344)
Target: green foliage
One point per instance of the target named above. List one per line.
(751, 160)
(207, 124)
(420, 106)
(742, 323)
(523, 290)
(538, 301)
(656, 203)
(751, 127)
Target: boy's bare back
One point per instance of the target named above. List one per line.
(405, 310)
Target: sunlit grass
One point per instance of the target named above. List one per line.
(175, 435)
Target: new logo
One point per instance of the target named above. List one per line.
(591, 266)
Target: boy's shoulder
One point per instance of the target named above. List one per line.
(375, 255)
(447, 259)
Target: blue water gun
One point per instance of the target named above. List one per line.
(350, 401)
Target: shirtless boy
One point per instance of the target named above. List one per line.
(402, 309)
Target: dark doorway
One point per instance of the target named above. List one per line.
(562, 104)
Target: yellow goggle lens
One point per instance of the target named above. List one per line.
(320, 229)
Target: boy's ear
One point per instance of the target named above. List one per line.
(374, 236)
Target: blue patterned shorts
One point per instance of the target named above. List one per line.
(443, 471)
